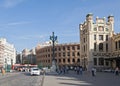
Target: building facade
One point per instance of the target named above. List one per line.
(115, 54)
(96, 41)
(28, 56)
(65, 55)
(7, 53)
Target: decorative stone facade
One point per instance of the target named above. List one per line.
(96, 41)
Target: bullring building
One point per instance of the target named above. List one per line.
(65, 55)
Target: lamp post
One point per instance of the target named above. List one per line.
(53, 38)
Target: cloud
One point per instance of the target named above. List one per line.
(17, 23)
(14, 24)
(11, 3)
(29, 37)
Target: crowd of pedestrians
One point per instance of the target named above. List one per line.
(79, 70)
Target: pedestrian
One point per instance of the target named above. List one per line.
(67, 69)
(81, 70)
(78, 69)
(117, 71)
(93, 71)
(3, 71)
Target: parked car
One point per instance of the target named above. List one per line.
(35, 71)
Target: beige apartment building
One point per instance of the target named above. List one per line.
(7, 53)
(96, 40)
(65, 55)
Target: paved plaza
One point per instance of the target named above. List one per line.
(20, 79)
(72, 79)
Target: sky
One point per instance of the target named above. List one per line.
(25, 23)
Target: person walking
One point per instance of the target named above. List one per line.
(3, 71)
(81, 70)
(93, 71)
(117, 71)
(78, 69)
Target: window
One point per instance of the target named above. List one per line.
(63, 48)
(73, 60)
(78, 47)
(68, 48)
(63, 54)
(100, 37)
(59, 54)
(101, 61)
(106, 47)
(64, 60)
(59, 49)
(68, 53)
(59, 60)
(106, 29)
(95, 29)
(94, 46)
(73, 54)
(48, 61)
(95, 61)
(73, 48)
(84, 40)
(78, 54)
(101, 28)
(84, 48)
(119, 44)
(116, 45)
(106, 37)
(94, 37)
(101, 47)
(78, 60)
(107, 63)
(68, 60)
(55, 49)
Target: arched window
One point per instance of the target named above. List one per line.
(73, 60)
(68, 60)
(78, 60)
(101, 47)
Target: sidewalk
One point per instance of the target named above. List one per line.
(72, 79)
(7, 74)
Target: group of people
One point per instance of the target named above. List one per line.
(62, 70)
(94, 71)
(79, 69)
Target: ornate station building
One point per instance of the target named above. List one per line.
(99, 45)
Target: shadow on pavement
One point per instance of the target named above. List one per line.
(86, 79)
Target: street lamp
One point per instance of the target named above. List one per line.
(53, 38)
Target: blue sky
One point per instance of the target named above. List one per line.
(25, 23)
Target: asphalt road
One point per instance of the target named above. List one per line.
(20, 79)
